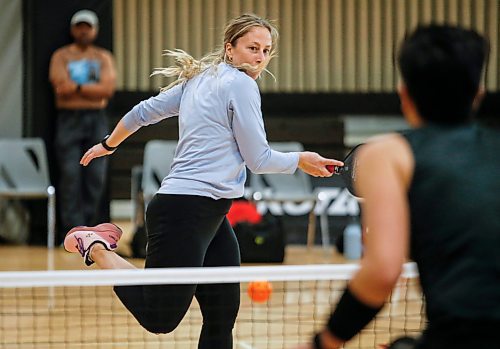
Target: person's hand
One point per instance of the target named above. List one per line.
(315, 165)
(95, 152)
(65, 88)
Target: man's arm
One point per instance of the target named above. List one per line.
(384, 175)
(59, 76)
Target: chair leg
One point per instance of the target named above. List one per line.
(311, 227)
(51, 217)
(51, 239)
(325, 231)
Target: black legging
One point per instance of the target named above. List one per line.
(187, 231)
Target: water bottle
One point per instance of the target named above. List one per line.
(353, 245)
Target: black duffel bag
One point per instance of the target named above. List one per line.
(262, 242)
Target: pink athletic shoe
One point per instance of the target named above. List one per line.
(80, 239)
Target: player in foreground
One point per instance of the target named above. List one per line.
(220, 131)
(433, 194)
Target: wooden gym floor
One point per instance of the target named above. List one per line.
(17, 258)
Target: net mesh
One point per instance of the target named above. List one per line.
(54, 312)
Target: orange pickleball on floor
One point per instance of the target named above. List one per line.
(259, 291)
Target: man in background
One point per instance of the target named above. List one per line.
(83, 77)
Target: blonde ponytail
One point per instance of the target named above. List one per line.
(185, 68)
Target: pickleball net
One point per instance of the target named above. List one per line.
(78, 309)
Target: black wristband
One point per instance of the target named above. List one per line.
(78, 88)
(106, 146)
(350, 316)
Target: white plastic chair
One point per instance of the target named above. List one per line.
(24, 174)
(158, 158)
(283, 187)
(147, 178)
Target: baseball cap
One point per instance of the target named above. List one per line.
(85, 16)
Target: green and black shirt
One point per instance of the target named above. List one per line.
(455, 226)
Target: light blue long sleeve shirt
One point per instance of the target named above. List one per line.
(220, 131)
